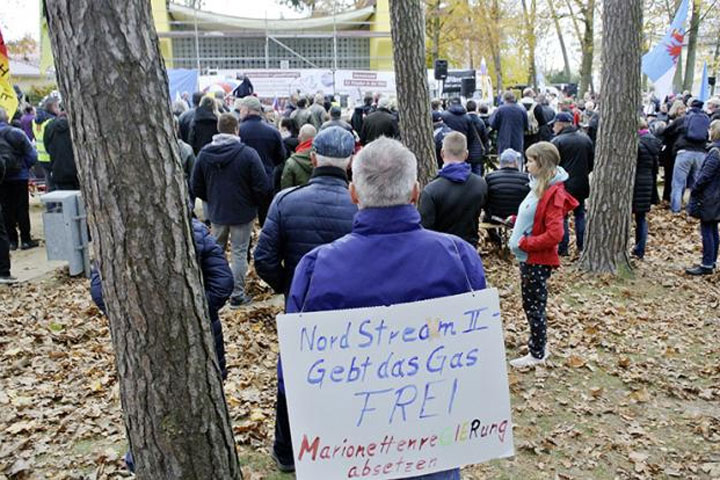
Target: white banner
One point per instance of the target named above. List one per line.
(398, 391)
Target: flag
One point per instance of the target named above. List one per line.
(660, 63)
(8, 98)
(704, 85)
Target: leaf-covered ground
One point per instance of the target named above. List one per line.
(631, 391)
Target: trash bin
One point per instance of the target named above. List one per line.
(66, 233)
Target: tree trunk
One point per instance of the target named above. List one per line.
(114, 86)
(588, 48)
(608, 228)
(716, 63)
(530, 17)
(692, 46)
(561, 39)
(495, 44)
(408, 37)
(678, 77)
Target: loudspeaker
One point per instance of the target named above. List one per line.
(711, 81)
(441, 69)
(467, 88)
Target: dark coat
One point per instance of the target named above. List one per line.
(453, 201)
(669, 138)
(20, 143)
(510, 121)
(378, 124)
(217, 280)
(507, 188)
(62, 160)
(230, 177)
(678, 129)
(301, 219)
(265, 139)
(184, 121)
(647, 162)
(577, 157)
(202, 128)
(457, 119)
(707, 186)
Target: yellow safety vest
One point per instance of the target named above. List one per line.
(39, 132)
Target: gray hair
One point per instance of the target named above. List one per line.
(384, 174)
(384, 102)
(307, 132)
(510, 157)
(323, 161)
(509, 96)
(3, 115)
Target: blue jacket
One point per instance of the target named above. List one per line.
(217, 279)
(706, 189)
(230, 177)
(21, 143)
(265, 139)
(510, 121)
(300, 219)
(457, 118)
(387, 259)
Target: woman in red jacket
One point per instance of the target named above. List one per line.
(537, 232)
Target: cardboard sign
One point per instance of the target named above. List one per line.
(398, 391)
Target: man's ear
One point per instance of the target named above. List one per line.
(353, 194)
(415, 195)
(313, 159)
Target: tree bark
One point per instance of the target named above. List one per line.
(588, 48)
(408, 36)
(692, 46)
(561, 39)
(530, 18)
(608, 228)
(114, 86)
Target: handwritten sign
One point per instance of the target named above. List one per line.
(398, 391)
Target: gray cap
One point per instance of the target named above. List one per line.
(334, 142)
(252, 103)
(509, 156)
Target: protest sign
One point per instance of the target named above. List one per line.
(397, 391)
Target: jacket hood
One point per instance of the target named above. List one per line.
(455, 172)
(62, 124)
(204, 115)
(303, 160)
(560, 176)
(457, 109)
(223, 149)
(43, 115)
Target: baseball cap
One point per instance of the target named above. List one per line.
(334, 142)
(563, 117)
(252, 103)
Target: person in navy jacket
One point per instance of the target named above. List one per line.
(388, 258)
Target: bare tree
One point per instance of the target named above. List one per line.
(561, 38)
(530, 16)
(408, 37)
(608, 228)
(106, 56)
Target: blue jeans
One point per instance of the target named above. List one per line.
(687, 167)
(641, 233)
(240, 242)
(579, 213)
(711, 241)
(477, 168)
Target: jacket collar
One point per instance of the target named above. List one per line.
(329, 172)
(386, 220)
(306, 145)
(570, 129)
(252, 118)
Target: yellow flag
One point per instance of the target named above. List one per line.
(8, 99)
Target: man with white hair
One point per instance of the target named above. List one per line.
(453, 201)
(298, 167)
(713, 108)
(388, 258)
(317, 111)
(299, 220)
(380, 123)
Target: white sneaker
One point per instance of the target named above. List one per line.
(529, 361)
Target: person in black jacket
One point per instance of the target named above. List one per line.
(645, 175)
(187, 116)
(204, 124)
(457, 119)
(452, 202)
(58, 144)
(577, 157)
(380, 123)
(230, 177)
(507, 187)
(713, 108)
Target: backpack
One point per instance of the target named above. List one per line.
(10, 161)
(533, 125)
(698, 124)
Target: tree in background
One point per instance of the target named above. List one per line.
(608, 228)
(170, 385)
(408, 36)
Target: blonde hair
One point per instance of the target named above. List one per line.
(454, 145)
(715, 131)
(677, 105)
(547, 158)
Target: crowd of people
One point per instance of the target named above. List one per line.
(344, 223)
